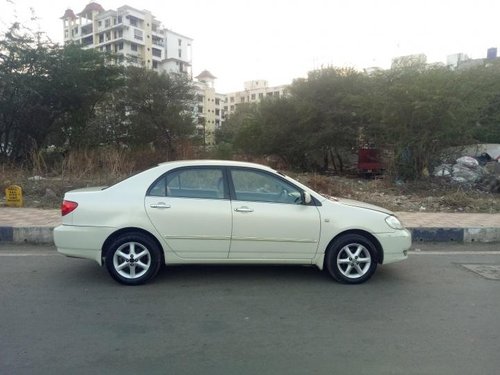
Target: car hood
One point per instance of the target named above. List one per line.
(353, 203)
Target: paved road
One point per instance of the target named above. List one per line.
(428, 315)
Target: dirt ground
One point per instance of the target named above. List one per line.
(432, 195)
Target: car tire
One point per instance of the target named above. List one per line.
(351, 259)
(133, 259)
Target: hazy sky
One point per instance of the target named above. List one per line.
(280, 40)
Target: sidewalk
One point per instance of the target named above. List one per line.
(32, 225)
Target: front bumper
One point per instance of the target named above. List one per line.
(395, 245)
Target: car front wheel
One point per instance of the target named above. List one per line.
(351, 259)
(133, 259)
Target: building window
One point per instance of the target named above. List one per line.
(120, 33)
(231, 99)
(133, 47)
(155, 64)
(137, 34)
(120, 46)
(217, 112)
(119, 19)
(156, 52)
(99, 23)
(242, 100)
(253, 96)
(107, 23)
(101, 38)
(217, 101)
(180, 42)
(261, 95)
(180, 53)
(157, 41)
(133, 21)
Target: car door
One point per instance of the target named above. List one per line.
(269, 219)
(191, 210)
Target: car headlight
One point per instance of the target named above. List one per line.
(394, 222)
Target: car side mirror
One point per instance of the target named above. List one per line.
(306, 197)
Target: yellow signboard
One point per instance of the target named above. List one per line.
(14, 196)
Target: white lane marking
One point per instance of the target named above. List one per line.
(431, 252)
(28, 255)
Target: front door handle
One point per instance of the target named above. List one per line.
(159, 205)
(244, 209)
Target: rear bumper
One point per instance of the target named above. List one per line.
(81, 242)
(395, 245)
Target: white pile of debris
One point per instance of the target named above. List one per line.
(482, 170)
(465, 170)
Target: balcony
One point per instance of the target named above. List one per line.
(87, 29)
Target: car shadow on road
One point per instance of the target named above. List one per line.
(194, 275)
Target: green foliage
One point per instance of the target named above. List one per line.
(71, 98)
(423, 112)
(318, 121)
(484, 92)
(413, 112)
(47, 93)
(159, 107)
(332, 107)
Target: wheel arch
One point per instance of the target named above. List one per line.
(113, 236)
(371, 237)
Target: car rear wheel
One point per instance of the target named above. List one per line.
(351, 259)
(133, 259)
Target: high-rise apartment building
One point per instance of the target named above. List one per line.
(135, 35)
(209, 108)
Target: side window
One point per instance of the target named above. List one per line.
(262, 187)
(205, 183)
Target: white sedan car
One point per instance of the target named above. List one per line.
(224, 212)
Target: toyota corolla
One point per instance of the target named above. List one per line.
(225, 212)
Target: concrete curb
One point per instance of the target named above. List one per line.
(460, 235)
(43, 235)
(34, 235)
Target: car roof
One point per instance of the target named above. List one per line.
(205, 162)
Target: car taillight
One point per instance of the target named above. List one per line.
(67, 207)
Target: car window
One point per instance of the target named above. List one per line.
(257, 186)
(191, 183)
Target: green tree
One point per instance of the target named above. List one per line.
(332, 106)
(482, 92)
(156, 109)
(47, 93)
(423, 112)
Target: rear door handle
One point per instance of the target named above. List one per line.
(159, 205)
(244, 209)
